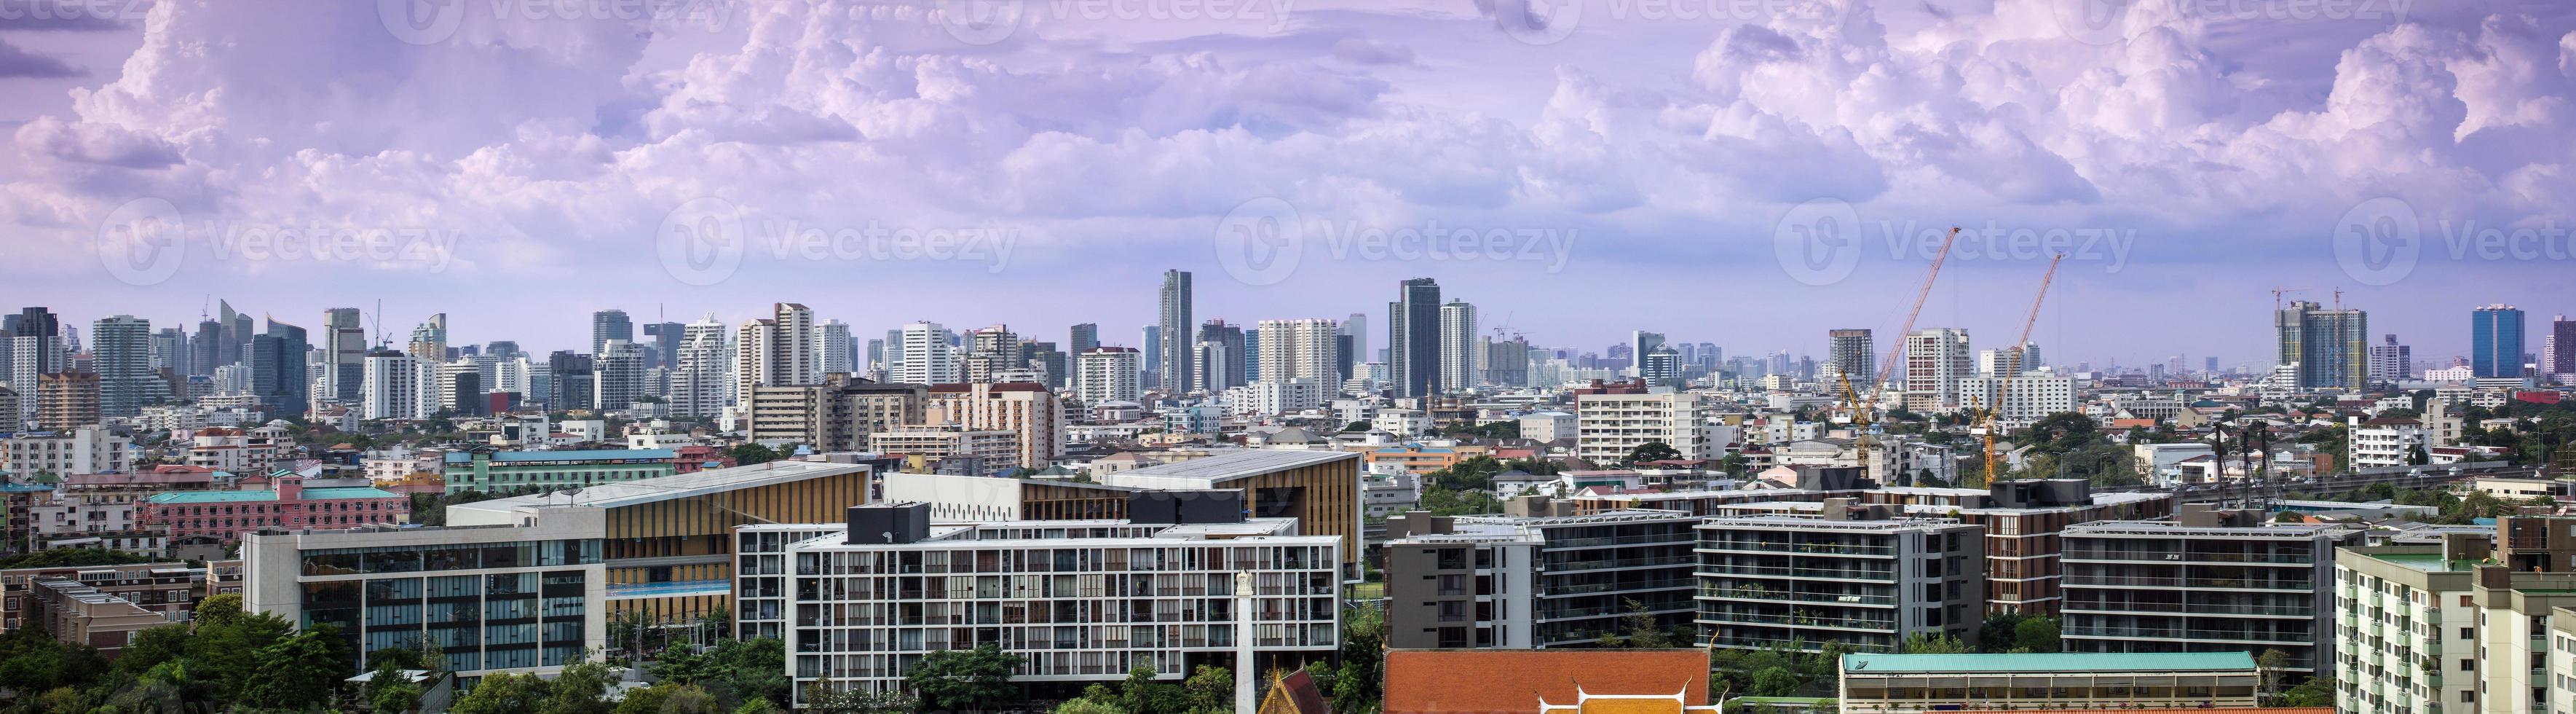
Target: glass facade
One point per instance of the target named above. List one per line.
(479, 619)
(2495, 332)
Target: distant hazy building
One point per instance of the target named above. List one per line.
(928, 356)
(122, 350)
(2391, 362)
(67, 400)
(1852, 355)
(1935, 360)
(1174, 332)
(2495, 334)
(1413, 338)
(776, 351)
(1459, 355)
(608, 325)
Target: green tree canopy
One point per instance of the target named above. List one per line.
(964, 679)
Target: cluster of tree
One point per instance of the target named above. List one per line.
(1780, 670)
(72, 558)
(1465, 488)
(748, 453)
(2066, 445)
(250, 661)
(1652, 451)
(743, 677)
(2017, 633)
(2454, 509)
(430, 509)
(1210, 690)
(1640, 629)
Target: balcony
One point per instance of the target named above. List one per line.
(1806, 548)
(1798, 572)
(1742, 593)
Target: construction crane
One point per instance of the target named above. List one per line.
(1877, 386)
(2004, 385)
(2278, 291)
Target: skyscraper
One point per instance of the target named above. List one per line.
(2389, 362)
(1641, 342)
(277, 374)
(2562, 346)
(429, 340)
(569, 378)
(2495, 335)
(1852, 355)
(1218, 356)
(774, 352)
(2328, 348)
(608, 325)
(36, 350)
(1458, 347)
(698, 386)
(1413, 338)
(1084, 337)
(1935, 360)
(833, 347)
(344, 353)
(1301, 349)
(204, 347)
(617, 375)
(1175, 331)
(928, 357)
(1355, 327)
(170, 349)
(123, 361)
(236, 334)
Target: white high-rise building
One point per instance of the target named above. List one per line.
(1935, 360)
(617, 375)
(1609, 426)
(698, 379)
(2029, 396)
(834, 349)
(1458, 347)
(1107, 374)
(122, 352)
(395, 385)
(929, 356)
(775, 352)
(1996, 362)
(1293, 349)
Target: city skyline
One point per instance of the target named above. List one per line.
(1673, 186)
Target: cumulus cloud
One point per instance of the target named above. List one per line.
(551, 137)
(18, 62)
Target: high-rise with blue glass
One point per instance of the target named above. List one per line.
(2495, 334)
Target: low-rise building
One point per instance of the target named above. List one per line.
(226, 515)
(1859, 576)
(521, 598)
(49, 455)
(169, 590)
(487, 469)
(1522, 582)
(1082, 601)
(1917, 683)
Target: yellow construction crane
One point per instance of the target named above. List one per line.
(2004, 385)
(1877, 386)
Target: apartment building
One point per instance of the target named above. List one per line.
(225, 516)
(78, 451)
(762, 606)
(2171, 682)
(1525, 581)
(993, 451)
(2023, 522)
(1084, 601)
(521, 598)
(1026, 409)
(169, 590)
(2206, 582)
(1935, 360)
(102, 510)
(2390, 441)
(1609, 426)
(837, 415)
(488, 469)
(2459, 627)
(1859, 575)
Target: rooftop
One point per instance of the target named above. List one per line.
(628, 493)
(310, 494)
(2049, 663)
(459, 457)
(1237, 464)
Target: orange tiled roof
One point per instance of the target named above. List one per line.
(1514, 681)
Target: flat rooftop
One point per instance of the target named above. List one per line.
(628, 493)
(2054, 663)
(2168, 528)
(1236, 464)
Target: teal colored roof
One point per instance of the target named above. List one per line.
(311, 494)
(2058, 662)
(498, 457)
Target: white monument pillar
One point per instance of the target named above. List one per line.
(1245, 682)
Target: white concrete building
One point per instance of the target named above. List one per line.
(86, 450)
(1609, 426)
(2385, 442)
(1107, 374)
(777, 351)
(1547, 426)
(1935, 360)
(928, 356)
(1300, 349)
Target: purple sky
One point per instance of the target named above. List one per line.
(1640, 163)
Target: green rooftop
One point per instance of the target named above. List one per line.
(2057, 662)
(2427, 562)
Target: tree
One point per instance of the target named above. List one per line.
(1638, 630)
(391, 692)
(580, 689)
(1359, 684)
(669, 698)
(748, 454)
(825, 700)
(1653, 451)
(1140, 694)
(2273, 664)
(1355, 427)
(72, 558)
(2036, 634)
(964, 679)
(2318, 691)
(503, 694)
(1921, 643)
(758, 706)
(300, 672)
(1210, 690)
(1774, 682)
